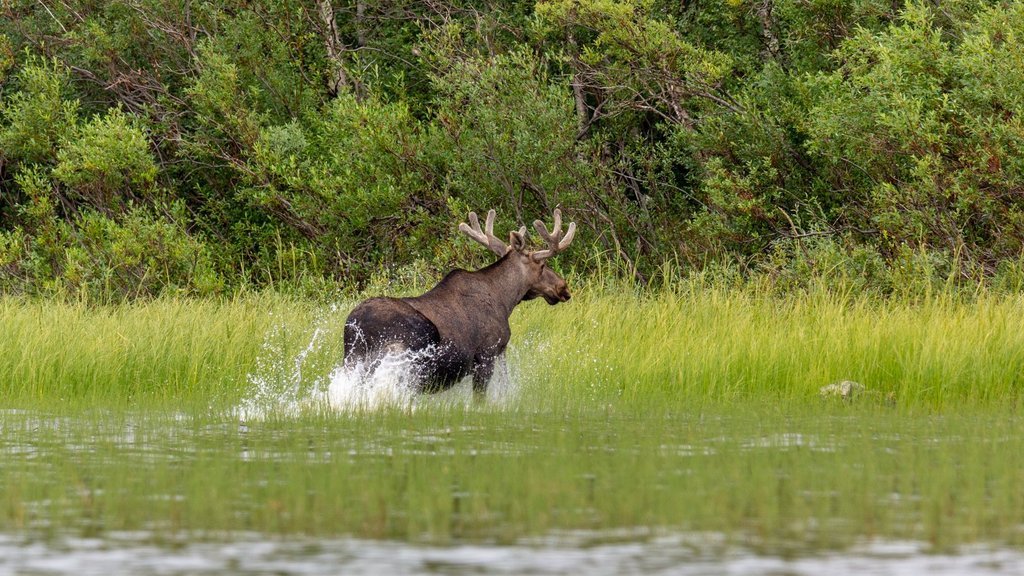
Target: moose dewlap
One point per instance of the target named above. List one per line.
(460, 326)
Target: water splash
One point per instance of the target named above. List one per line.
(393, 381)
(315, 379)
(389, 382)
(276, 381)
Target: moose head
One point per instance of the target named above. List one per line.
(532, 266)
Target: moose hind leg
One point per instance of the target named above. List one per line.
(483, 369)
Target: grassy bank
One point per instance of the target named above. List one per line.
(672, 350)
(179, 352)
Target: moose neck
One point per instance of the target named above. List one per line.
(506, 281)
(489, 293)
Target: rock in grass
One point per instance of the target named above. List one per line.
(845, 389)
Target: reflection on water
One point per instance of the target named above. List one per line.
(714, 493)
(683, 555)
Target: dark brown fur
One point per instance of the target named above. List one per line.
(461, 324)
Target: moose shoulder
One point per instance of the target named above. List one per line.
(460, 327)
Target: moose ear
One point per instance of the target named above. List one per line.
(517, 239)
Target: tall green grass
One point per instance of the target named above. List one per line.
(181, 353)
(680, 348)
(674, 350)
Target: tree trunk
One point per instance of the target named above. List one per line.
(338, 79)
(582, 113)
(361, 23)
(771, 40)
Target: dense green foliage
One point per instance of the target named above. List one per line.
(164, 146)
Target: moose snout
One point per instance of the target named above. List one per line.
(561, 294)
(562, 290)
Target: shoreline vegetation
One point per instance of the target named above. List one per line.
(669, 350)
(635, 416)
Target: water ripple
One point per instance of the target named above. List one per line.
(677, 555)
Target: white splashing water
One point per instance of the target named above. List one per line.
(393, 382)
(366, 386)
(285, 383)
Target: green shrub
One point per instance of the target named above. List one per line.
(106, 162)
(6, 57)
(137, 255)
(788, 141)
(925, 140)
(508, 136)
(36, 117)
(100, 257)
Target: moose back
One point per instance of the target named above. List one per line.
(460, 326)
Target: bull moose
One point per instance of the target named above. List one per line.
(460, 326)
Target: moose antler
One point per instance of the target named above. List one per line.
(556, 240)
(487, 237)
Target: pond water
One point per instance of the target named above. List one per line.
(451, 489)
(669, 555)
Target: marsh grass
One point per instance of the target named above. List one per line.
(678, 349)
(185, 353)
(609, 348)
